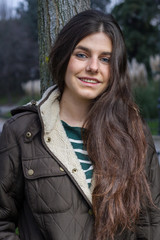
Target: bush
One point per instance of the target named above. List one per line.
(147, 99)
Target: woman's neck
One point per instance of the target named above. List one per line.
(73, 112)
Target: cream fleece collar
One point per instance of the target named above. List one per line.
(57, 140)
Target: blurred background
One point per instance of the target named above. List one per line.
(19, 61)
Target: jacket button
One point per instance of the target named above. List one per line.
(30, 172)
(61, 169)
(90, 212)
(48, 139)
(33, 102)
(28, 134)
(74, 170)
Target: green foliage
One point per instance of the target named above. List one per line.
(136, 20)
(147, 100)
(153, 125)
(17, 231)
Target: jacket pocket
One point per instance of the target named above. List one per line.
(48, 187)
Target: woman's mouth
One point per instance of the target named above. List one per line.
(89, 80)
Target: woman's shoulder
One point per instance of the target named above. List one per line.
(22, 111)
(22, 118)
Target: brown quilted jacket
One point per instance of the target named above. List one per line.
(42, 188)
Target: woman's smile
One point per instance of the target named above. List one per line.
(89, 80)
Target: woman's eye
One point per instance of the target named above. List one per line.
(81, 55)
(105, 59)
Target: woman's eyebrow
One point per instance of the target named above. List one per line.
(88, 50)
(82, 48)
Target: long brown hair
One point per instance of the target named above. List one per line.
(115, 138)
(116, 144)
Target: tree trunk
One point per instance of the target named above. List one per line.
(52, 15)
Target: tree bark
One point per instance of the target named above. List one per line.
(52, 16)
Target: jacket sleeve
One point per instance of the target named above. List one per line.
(149, 224)
(10, 182)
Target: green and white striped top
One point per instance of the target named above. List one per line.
(75, 138)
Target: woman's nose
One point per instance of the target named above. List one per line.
(92, 66)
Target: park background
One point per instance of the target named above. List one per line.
(19, 53)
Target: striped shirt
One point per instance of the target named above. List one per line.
(75, 138)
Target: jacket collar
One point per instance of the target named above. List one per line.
(57, 141)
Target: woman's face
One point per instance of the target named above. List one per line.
(88, 70)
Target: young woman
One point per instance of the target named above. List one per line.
(80, 164)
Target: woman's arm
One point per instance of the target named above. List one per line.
(11, 182)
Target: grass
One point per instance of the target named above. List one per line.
(27, 99)
(19, 101)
